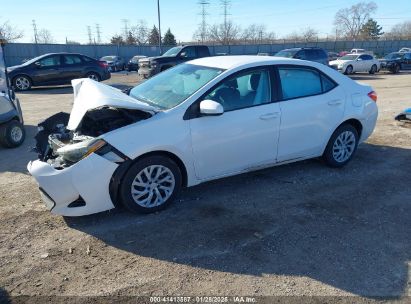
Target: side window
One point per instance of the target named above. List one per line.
(71, 59)
(189, 52)
(299, 82)
(362, 57)
(202, 51)
(243, 91)
(407, 56)
(50, 61)
(327, 83)
(321, 54)
(301, 55)
(87, 59)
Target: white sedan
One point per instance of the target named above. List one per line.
(199, 121)
(352, 63)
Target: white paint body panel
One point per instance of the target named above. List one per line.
(214, 146)
(358, 66)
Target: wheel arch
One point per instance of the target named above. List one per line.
(355, 123)
(122, 169)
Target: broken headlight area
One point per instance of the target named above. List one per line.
(61, 147)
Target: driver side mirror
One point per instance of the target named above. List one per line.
(183, 54)
(210, 107)
(359, 59)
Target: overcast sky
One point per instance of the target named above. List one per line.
(70, 18)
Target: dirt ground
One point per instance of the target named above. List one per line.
(298, 229)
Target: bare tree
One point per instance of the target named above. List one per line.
(140, 32)
(224, 33)
(44, 36)
(309, 34)
(9, 32)
(400, 31)
(350, 21)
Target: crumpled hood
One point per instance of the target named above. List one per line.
(90, 94)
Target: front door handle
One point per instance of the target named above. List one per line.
(269, 116)
(335, 102)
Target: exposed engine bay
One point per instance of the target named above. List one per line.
(62, 147)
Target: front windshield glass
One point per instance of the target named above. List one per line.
(171, 87)
(286, 54)
(394, 56)
(349, 57)
(108, 58)
(173, 51)
(28, 62)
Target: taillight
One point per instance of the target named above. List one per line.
(103, 64)
(373, 95)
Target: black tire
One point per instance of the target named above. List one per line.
(373, 69)
(156, 160)
(348, 70)
(18, 85)
(396, 69)
(329, 155)
(8, 136)
(93, 75)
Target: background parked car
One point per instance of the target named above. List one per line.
(352, 63)
(132, 65)
(396, 61)
(311, 54)
(115, 63)
(332, 56)
(176, 55)
(405, 50)
(56, 69)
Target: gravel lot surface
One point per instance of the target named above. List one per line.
(298, 229)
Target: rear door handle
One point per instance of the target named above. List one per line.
(269, 116)
(335, 102)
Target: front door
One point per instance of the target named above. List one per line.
(47, 70)
(245, 135)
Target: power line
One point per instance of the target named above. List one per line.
(125, 28)
(225, 4)
(203, 27)
(35, 30)
(98, 32)
(90, 40)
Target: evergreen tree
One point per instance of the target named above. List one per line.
(153, 38)
(117, 39)
(371, 30)
(169, 38)
(131, 39)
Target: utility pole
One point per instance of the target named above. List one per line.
(225, 4)
(90, 40)
(125, 28)
(204, 4)
(34, 30)
(98, 32)
(159, 26)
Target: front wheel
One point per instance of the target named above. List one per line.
(348, 70)
(151, 184)
(341, 146)
(396, 69)
(373, 69)
(22, 83)
(12, 134)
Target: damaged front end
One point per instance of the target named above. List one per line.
(404, 116)
(75, 164)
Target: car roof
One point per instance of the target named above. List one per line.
(230, 62)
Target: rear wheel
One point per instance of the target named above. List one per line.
(12, 134)
(151, 184)
(22, 83)
(396, 69)
(373, 69)
(341, 146)
(94, 76)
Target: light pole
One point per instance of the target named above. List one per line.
(159, 26)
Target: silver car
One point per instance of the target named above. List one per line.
(115, 63)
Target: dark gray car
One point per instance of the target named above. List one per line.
(115, 63)
(311, 54)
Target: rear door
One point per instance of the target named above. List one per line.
(407, 61)
(72, 67)
(311, 105)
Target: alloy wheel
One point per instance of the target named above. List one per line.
(22, 83)
(344, 146)
(93, 77)
(16, 134)
(153, 186)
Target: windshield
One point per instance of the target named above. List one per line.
(349, 57)
(394, 56)
(171, 87)
(286, 53)
(32, 60)
(108, 58)
(173, 51)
